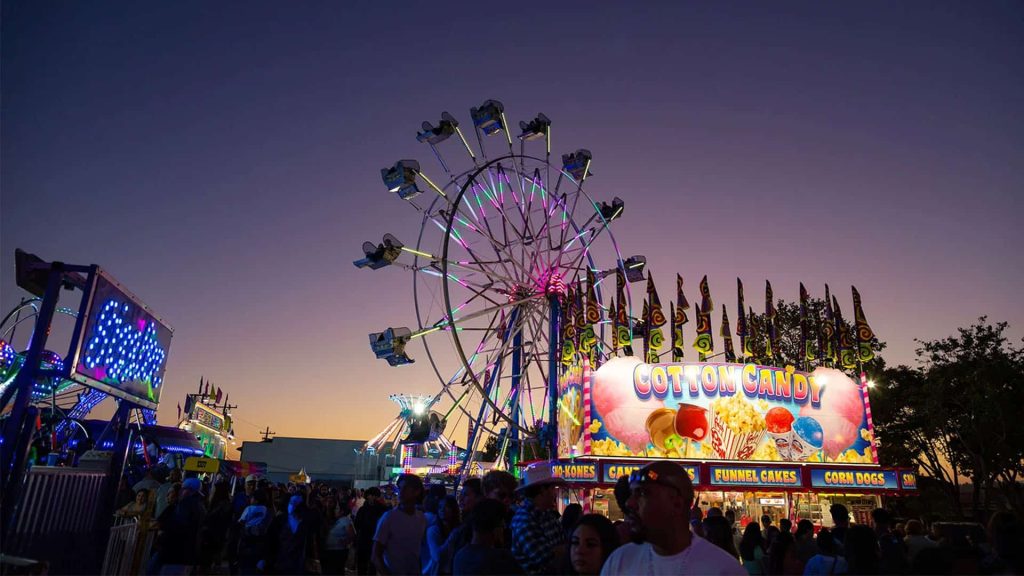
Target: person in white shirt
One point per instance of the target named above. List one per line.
(400, 531)
(662, 496)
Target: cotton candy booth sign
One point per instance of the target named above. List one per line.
(726, 411)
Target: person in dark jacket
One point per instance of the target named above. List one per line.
(293, 543)
(366, 526)
(182, 526)
(215, 527)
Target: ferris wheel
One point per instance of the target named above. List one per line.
(507, 242)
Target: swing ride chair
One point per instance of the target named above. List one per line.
(506, 236)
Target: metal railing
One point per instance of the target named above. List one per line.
(57, 505)
(128, 547)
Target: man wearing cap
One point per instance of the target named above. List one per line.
(538, 541)
(662, 496)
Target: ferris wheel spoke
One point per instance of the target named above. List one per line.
(571, 213)
(492, 241)
(596, 233)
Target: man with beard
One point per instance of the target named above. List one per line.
(629, 529)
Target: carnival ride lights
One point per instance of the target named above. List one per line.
(51, 379)
(502, 244)
(380, 255)
(416, 424)
(124, 351)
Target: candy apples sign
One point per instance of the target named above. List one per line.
(726, 411)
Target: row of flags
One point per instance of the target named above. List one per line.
(207, 393)
(827, 340)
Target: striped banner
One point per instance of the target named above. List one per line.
(867, 415)
(586, 406)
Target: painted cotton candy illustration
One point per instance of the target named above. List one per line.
(841, 412)
(624, 415)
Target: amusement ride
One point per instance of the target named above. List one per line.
(509, 240)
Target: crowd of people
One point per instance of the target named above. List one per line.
(497, 525)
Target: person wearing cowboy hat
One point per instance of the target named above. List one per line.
(538, 541)
(661, 496)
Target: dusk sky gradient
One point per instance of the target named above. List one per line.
(222, 159)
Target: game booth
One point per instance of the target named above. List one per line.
(754, 439)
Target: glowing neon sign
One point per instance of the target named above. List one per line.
(123, 347)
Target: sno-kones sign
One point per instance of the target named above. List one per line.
(727, 411)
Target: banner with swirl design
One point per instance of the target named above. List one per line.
(726, 334)
(704, 343)
(864, 333)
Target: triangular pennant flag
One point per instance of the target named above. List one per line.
(771, 342)
(730, 353)
(742, 326)
(864, 333)
(657, 314)
(847, 355)
(806, 344)
(704, 343)
(828, 332)
(706, 303)
(624, 329)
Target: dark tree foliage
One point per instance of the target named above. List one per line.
(959, 413)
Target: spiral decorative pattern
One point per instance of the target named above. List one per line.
(703, 343)
(705, 293)
(848, 359)
(657, 315)
(624, 336)
(657, 339)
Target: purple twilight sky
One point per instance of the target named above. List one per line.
(222, 160)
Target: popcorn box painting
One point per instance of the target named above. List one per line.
(726, 411)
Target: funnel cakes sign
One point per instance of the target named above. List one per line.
(726, 411)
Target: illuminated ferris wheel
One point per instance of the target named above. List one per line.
(508, 241)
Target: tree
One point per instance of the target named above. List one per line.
(976, 381)
(910, 433)
(958, 413)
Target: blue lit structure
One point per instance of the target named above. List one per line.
(118, 347)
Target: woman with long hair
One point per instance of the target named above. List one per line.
(718, 531)
(446, 519)
(339, 541)
(752, 549)
(591, 543)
